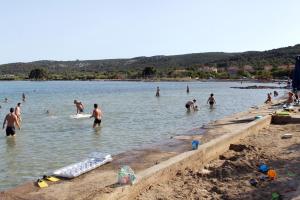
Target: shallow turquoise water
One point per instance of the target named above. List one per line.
(133, 117)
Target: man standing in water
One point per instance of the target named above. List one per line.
(157, 92)
(79, 106)
(187, 89)
(23, 97)
(11, 120)
(18, 112)
(97, 114)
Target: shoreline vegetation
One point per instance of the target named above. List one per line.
(186, 79)
(257, 65)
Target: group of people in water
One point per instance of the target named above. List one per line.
(292, 97)
(97, 113)
(191, 105)
(13, 118)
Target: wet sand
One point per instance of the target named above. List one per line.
(103, 179)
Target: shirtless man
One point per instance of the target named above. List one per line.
(97, 114)
(11, 120)
(79, 106)
(18, 111)
(211, 100)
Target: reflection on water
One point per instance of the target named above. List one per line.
(10, 142)
(133, 117)
(97, 130)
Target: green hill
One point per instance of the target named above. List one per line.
(260, 64)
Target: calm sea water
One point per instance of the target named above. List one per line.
(133, 117)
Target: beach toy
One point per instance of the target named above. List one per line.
(195, 144)
(96, 159)
(253, 182)
(41, 183)
(263, 168)
(258, 117)
(50, 178)
(272, 174)
(126, 175)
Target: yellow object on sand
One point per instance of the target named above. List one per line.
(51, 178)
(283, 113)
(41, 183)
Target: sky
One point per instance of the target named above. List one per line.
(33, 30)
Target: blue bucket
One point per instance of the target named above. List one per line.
(263, 168)
(195, 144)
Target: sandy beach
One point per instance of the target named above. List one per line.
(228, 177)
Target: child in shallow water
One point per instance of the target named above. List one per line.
(211, 100)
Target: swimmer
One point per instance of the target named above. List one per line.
(23, 97)
(97, 114)
(79, 106)
(187, 89)
(157, 92)
(275, 93)
(5, 100)
(18, 112)
(11, 120)
(211, 100)
(191, 105)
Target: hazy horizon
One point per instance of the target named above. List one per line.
(94, 30)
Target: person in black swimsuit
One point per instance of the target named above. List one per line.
(211, 100)
(11, 120)
(97, 114)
